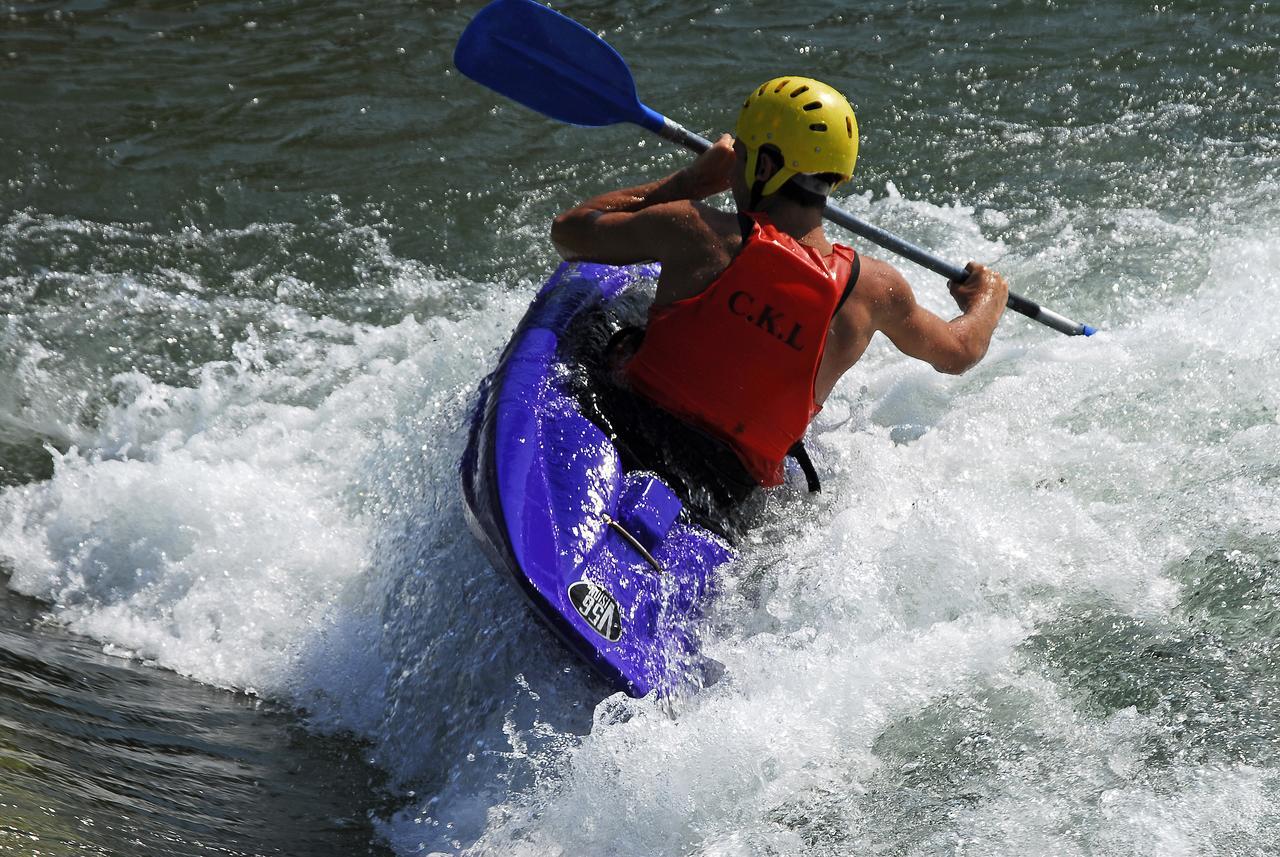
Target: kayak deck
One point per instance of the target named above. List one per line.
(604, 556)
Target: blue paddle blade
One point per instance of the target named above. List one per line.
(552, 64)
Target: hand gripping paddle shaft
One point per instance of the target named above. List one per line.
(556, 66)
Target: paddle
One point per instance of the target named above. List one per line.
(556, 66)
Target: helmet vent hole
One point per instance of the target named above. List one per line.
(813, 105)
(761, 92)
(781, 86)
(800, 91)
(848, 124)
(818, 126)
(746, 104)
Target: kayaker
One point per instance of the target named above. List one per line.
(757, 314)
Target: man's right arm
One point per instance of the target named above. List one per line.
(949, 346)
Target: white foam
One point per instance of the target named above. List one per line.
(216, 529)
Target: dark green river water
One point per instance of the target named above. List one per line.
(255, 258)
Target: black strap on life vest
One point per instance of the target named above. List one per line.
(854, 271)
(801, 455)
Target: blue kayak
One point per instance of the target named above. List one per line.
(604, 556)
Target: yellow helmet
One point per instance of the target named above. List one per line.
(811, 124)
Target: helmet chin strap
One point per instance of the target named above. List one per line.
(807, 181)
(758, 184)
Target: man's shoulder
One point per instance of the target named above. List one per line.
(881, 289)
(696, 217)
(723, 222)
(702, 242)
(877, 278)
(694, 230)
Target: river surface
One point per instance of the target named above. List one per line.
(255, 258)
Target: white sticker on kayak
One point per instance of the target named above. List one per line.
(597, 608)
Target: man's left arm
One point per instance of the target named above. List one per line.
(639, 224)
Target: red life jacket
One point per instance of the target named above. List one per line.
(739, 360)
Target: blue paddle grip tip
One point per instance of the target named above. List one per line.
(1088, 331)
